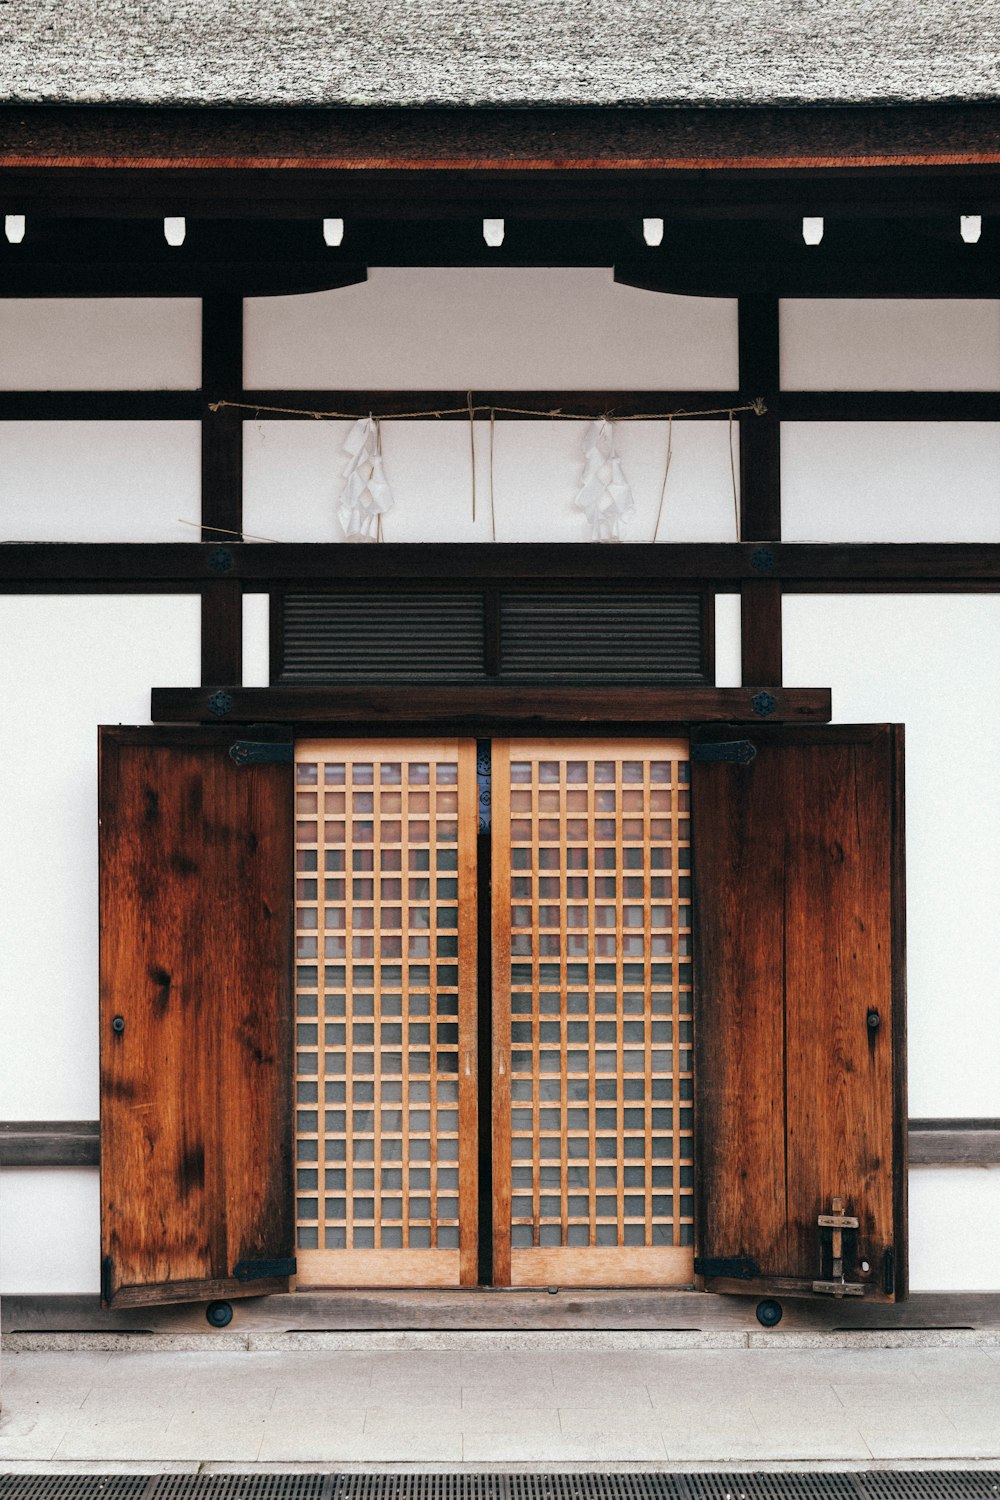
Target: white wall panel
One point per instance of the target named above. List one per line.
(501, 329)
(840, 344)
(256, 640)
(69, 664)
(728, 640)
(890, 481)
(931, 662)
(50, 1231)
(293, 480)
(100, 481)
(954, 1214)
(100, 344)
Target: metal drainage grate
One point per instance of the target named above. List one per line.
(237, 1487)
(932, 1484)
(416, 1487)
(771, 1486)
(73, 1486)
(938, 1484)
(594, 1487)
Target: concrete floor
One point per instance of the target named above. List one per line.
(460, 1400)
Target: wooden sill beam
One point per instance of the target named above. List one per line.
(29, 566)
(426, 705)
(77, 1143)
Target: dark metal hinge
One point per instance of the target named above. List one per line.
(736, 1267)
(107, 1280)
(740, 752)
(261, 752)
(260, 1270)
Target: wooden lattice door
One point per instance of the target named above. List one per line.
(592, 1023)
(386, 1122)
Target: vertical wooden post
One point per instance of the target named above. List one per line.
(221, 486)
(760, 486)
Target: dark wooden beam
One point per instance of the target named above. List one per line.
(28, 276)
(786, 406)
(221, 485)
(874, 138)
(426, 704)
(954, 1142)
(134, 566)
(76, 1143)
(50, 1143)
(760, 485)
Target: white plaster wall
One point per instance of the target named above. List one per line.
(292, 481)
(728, 641)
(100, 343)
(256, 640)
(932, 663)
(50, 1230)
(100, 481)
(839, 344)
(954, 1223)
(890, 481)
(496, 329)
(69, 664)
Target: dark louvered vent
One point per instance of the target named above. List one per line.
(366, 637)
(624, 637)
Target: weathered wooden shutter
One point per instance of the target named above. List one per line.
(196, 1014)
(797, 839)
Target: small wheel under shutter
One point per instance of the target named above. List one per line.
(800, 1031)
(196, 1015)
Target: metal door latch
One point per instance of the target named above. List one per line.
(836, 1222)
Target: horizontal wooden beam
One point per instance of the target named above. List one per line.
(76, 1143)
(50, 1143)
(875, 140)
(45, 276)
(34, 566)
(425, 705)
(954, 1143)
(508, 405)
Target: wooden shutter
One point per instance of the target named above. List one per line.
(195, 1015)
(799, 1009)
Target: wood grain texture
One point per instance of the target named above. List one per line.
(196, 954)
(468, 707)
(131, 566)
(797, 901)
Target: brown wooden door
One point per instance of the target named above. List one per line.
(386, 1013)
(800, 1039)
(195, 1017)
(591, 1013)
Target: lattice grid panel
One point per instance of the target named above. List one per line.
(600, 995)
(378, 932)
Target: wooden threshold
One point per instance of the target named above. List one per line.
(559, 1266)
(636, 1310)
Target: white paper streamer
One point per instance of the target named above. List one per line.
(366, 495)
(604, 495)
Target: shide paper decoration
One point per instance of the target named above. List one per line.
(366, 496)
(604, 495)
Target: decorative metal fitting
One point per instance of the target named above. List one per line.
(220, 704)
(762, 559)
(763, 704)
(221, 560)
